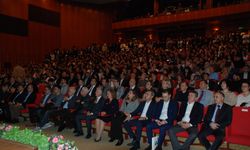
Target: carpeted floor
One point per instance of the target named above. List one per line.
(90, 144)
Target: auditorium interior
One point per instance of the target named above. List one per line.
(124, 74)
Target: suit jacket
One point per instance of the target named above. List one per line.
(110, 107)
(172, 110)
(97, 108)
(196, 114)
(150, 113)
(224, 118)
(71, 103)
(30, 99)
(19, 98)
(93, 91)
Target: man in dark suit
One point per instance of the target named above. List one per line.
(79, 88)
(217, 118)
(91, 115)
(21, 100)
(67, 108)
(165, 114)
(132, 86)
(189, 116)
(146, 112)
(92, 87)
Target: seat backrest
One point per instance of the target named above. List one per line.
(241, 122)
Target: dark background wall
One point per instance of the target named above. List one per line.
(29, 29)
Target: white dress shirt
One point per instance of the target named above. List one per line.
(145, 109)
(186, 117)
(164, 111)
(97, 100)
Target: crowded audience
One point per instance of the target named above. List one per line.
(135, 83)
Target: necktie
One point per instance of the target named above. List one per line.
(217, 116)
(199, 99)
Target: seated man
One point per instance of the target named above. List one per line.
(49, 105)
(67, 108)
(91, 115)
(189, 116)
(166, 113)
(205, 96)
(146, 111)
(218, 116)
(21, 100)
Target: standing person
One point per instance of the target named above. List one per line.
(217, 118)
(189, 116)
(129, 104)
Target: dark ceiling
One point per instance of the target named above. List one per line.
(98, 1)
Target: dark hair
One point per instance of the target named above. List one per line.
(204, 81)
(113, 93)
(194, 92)
(221, 93)
(228, 83)
(134, 92)
(167, 91)
(57, 86)
(245, 81)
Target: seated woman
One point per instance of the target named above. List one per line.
(107, 114)
(230, 97)
(130, 103)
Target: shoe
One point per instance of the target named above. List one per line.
(98, 140)
(158, 148)
(37, 129)
(88, 136)
(61, 127)
(111, 140)
(47, 125)
(132, 143)
(149, 147)
(75, 131)
(78, 134)
(136, 146)
(120, 141)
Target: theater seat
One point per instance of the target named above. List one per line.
(239, 131)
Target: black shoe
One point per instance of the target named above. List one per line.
(61, 127)
(78, 134)
(132, 143)
(75, 131)
(120, 141)
(88, 136)
(149, 147)
(158, 148)
(98, 140)
(111, 140)
(136, 146)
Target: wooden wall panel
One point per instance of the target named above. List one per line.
(42, 39)
(15, 8)
(82, 26)
(79, 26)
